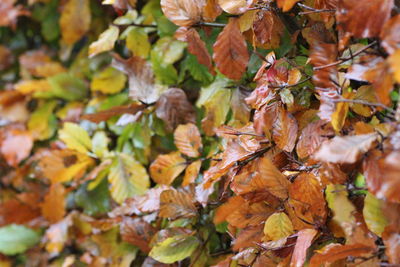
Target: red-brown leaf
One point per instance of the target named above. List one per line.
(230, 51)
(183, 12)
(304, 241)
(137, 232)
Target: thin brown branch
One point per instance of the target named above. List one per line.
(347, 58)
(312, 10)
(293, 85)
(210, 24)
(363, 102)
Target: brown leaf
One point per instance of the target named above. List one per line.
(183, 12)
(249, 214)
(381, 173)
(15, 145)
(174, 108)
(105, 115)
(391, 240)
(382, 80)
(325, 79)
(167, 167)
(53, 207)
(347, 149)
(18, 211)
(335, 252)
(227, 208)
(141, 78)
(9, 12)
(286, 5)
(304, 241)
(307, 190)
(268, 28)
(284, 130)
(354, 17)
(177, 204)
(188, 140)
(137, 232)
(38, 63)
(389, 35)
(312, 136)
(230, 51)
(271, 179)
(191, 173)
(211, 11)
(248, 237)
(198, 48)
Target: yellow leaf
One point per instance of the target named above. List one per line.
(167, 167)
(278, 226)
(42, 123)
(128, 178)
(373, 215)
(75, 137)
(53, 207)
(191, 173)
(137, 42)
(246, 20)
(32, 86)
(75, 20)
(188, 140)
(339, 116)
(105, 42)
(109, 81)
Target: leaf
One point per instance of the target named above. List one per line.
(105, 115)
(373, 215)
(346, 149)
(137, 42)
(15, 146)
(334, 252)
(394, 65)
(174, 248)
(105, 41)
(183, 12)
(167, 167)
(188, 140)
(307, 190)
(61, 166)
(177, 204)
(286, 5)
(271, 179)
(127, 177)
(235, 6)
(248, 237)
(54, 205)
(93, 201)
(278, 226)
(9, 13)
(285, 130)
(75, 137)
(141, 78)
(249, 214)
(75, 20)
(197, 47)
(311, 138)
(57, 234)
(109, 81)
(389, 36)
(174, 108)
(268, 28)
(227, 208)
(191, 172)
(353, 17)
(230, 51)
(137, 232)
(304, 240)
(42, 123)
(16, 239)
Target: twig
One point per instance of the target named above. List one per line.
(313, 10)
(143, 25)
(210, 24)
(346, 59)
(363, 102)
(293, 85)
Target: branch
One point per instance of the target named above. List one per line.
(293, 85)
(143, 25)
(313, 10)
(346, 59)
(209, 24)
(363, 102)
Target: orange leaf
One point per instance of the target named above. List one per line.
(191, 173)
(268, 28)
(53, 207)
(167, 167)
(188, 140)
(15, 146)
(286, 5)
(390, 35)
(227, 208)
(334, 252)
(235, 7)
(197, 47)
(249, 214)
(271, 179)
(284, 130)
(312, 136)
(230, 51)
(304, 240)
(137, 232)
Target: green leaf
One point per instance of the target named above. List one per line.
(127, 177)
(94, 202)
(198, 71)
(169, 50)
(65, 86)
(137, 42)
(109, 81)
(75, 137)
(373, 215)
(174, 249)
(16, 239)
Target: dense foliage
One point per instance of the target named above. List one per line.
(199, 133)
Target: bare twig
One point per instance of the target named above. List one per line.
(347, 58)
(210, 24)
(312, 10)
(363, 102)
